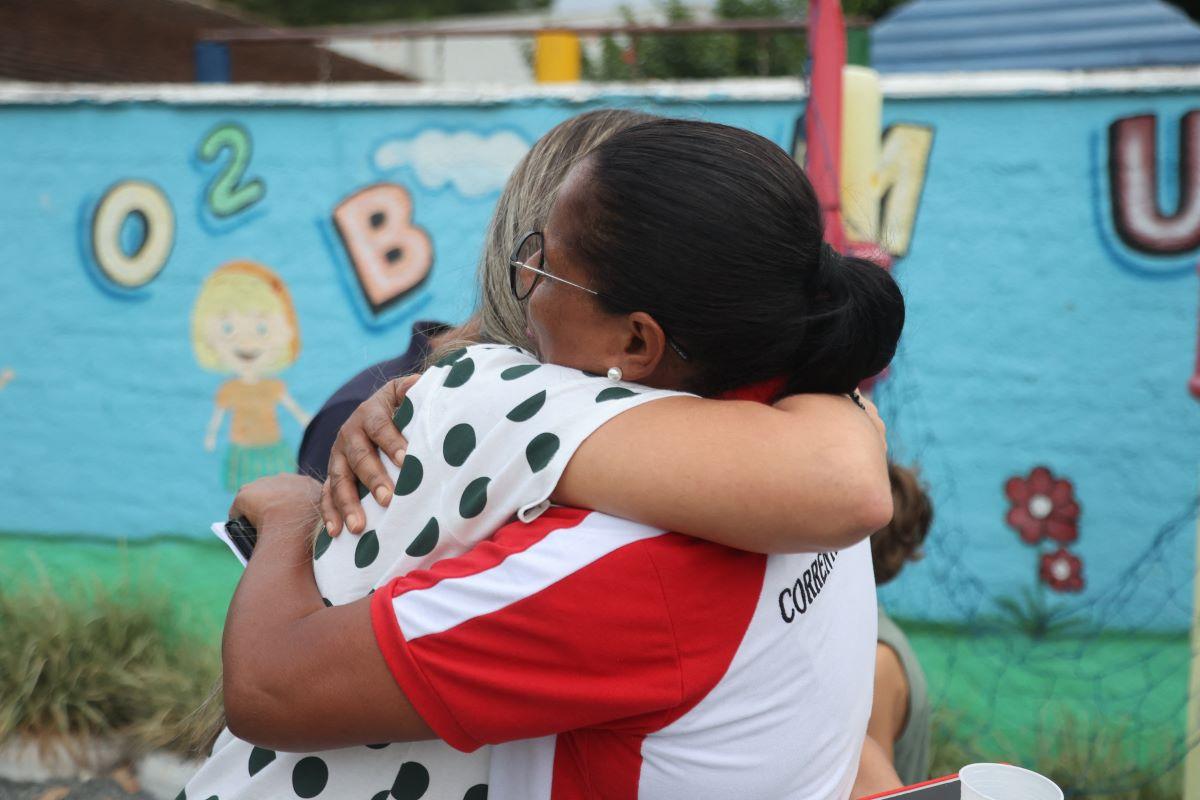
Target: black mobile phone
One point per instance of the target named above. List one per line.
(243, 535)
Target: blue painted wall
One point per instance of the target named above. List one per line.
(1036, 335)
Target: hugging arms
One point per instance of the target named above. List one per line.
(785, 471)
(807, 474)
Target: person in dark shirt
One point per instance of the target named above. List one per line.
(313, 459)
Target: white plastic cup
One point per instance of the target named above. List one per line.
(1005, 782)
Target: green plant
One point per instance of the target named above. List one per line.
(948, 748)
(663, 57)
(1087, 761)
(766, 54)
(702, 55)
(86, 660)
(1038, 618)
(718, 55)
(1087, 767)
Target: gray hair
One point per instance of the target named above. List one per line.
(524, 205)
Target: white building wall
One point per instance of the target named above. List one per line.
(492, 59)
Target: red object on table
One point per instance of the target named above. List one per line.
(943, 788)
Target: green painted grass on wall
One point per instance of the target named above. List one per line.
(1103, 714)
(199, 575)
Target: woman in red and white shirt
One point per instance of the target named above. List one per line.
(606, 658)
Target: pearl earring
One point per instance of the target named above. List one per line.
(614, 373)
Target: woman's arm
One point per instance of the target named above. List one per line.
(809, 473)
(285, 687)
(214, 427)
(875, 771)
(889, 701)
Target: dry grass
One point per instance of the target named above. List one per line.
(1088, 763)
(100, 662)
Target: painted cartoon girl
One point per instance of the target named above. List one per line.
(244, 324)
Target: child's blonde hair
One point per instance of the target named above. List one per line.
(243, 286)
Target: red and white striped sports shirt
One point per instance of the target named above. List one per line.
(607, 659)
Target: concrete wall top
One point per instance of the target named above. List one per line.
(915, 85)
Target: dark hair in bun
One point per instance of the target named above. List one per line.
(716, 232)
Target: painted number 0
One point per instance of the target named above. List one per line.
(145, 203)
(227, 195)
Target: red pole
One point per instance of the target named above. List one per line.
(1194, 381)
(823, 117)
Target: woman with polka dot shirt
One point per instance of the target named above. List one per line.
(489, 430)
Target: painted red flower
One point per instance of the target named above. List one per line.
(1062, 571)
(1043, 507)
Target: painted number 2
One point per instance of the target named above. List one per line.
(227, 194)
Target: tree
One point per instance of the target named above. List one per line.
(705, 55)
(770, 54)
(694, 56)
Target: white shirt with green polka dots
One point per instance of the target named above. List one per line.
(489, 432)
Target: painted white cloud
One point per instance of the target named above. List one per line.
(476, 165)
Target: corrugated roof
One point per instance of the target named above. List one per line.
(973, 35)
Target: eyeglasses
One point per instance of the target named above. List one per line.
(525, 272)
(525, 267)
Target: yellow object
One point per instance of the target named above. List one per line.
(862, 120)
(902, 168)
(557, 57)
